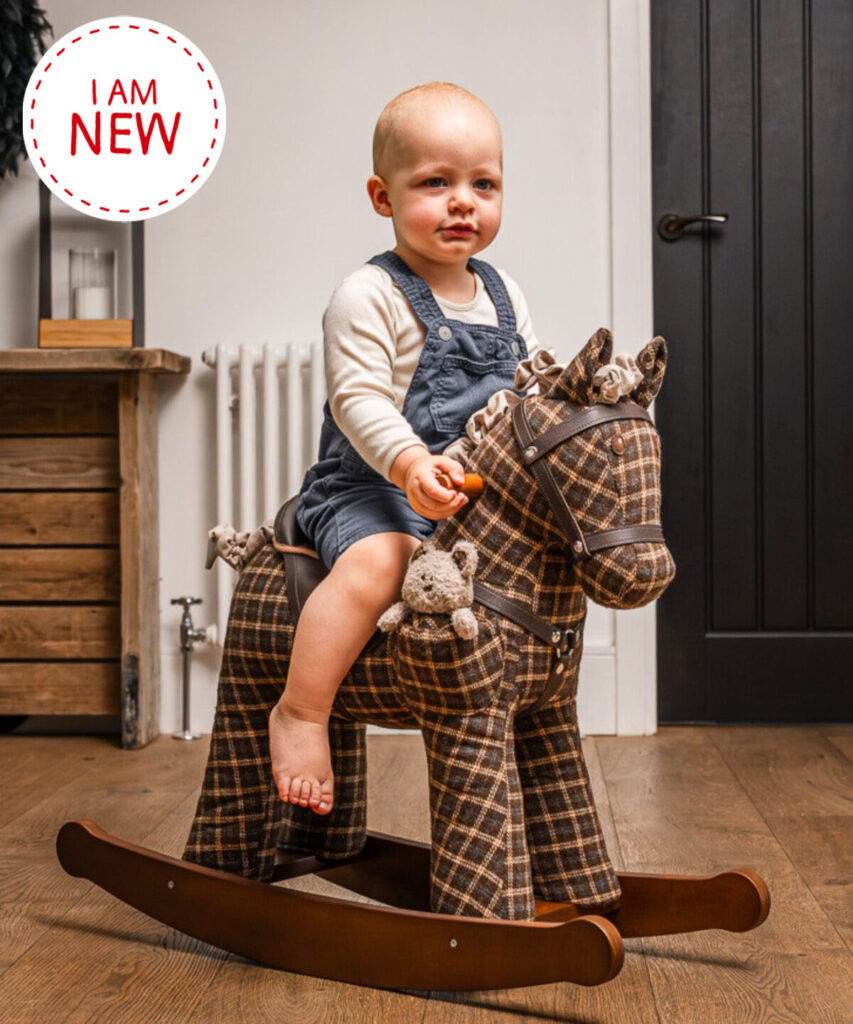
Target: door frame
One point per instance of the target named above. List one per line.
(632, 305)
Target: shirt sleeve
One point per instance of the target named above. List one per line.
(359, 349)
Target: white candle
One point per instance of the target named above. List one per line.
(93, 303)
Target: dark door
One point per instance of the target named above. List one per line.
(753, 117)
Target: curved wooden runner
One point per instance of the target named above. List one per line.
(340, 939)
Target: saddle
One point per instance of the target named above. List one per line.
(302, 566)
(301, 562)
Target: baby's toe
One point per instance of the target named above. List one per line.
(321, 797)
(305, 793)
(295, 790)
(284, 788)
(324, 804)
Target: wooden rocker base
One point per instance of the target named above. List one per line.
(403, 946)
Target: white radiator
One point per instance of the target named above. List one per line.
(267, 431)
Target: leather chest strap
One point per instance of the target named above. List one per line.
(561, 640)
(553, 635)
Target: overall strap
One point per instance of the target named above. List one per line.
(498, 293)
(416, 290)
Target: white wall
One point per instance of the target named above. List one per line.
(256, 253)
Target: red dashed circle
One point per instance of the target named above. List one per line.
(214, 107)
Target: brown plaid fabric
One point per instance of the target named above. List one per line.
(568, 858)
(480, 864)
(615, 490)
(512, 808)
(439, 672)
(652, 361)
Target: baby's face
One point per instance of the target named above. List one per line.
(444, 184)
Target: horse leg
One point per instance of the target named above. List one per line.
(239, 816)
(568, 856)
(238, 808)
(342, 832)
(479, 865)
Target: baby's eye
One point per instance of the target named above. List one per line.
(434, 182)
(483, 184)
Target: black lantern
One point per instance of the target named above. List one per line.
(90, 327)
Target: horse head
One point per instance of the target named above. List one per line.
(579, 471)
(595, 469)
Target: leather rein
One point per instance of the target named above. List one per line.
(533, 449)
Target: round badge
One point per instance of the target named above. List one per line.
(124, 118)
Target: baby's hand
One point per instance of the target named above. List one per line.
(426, 494)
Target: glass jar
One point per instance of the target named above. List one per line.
(92, 283)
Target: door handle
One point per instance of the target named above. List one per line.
(671, 226)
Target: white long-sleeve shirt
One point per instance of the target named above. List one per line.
(372, 342)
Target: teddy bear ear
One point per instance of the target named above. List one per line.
(464, 554)
(422, 549)
(575, 382)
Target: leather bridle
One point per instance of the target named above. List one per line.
(533, 449)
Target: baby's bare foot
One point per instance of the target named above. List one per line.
(301, 760)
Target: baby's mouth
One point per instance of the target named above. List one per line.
(459, 229)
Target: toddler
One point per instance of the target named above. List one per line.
(415, 341)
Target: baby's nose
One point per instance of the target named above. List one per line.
(461, 197)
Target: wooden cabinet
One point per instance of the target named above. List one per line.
(79, 582)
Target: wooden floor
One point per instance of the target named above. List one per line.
(689, 800)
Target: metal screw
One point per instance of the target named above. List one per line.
(578, 546)
(530, 452)
(453, 943)
(171, 884)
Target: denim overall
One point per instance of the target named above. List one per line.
(461, 365)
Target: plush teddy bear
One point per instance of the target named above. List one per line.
(438, 581)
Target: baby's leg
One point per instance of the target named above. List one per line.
(336, 622)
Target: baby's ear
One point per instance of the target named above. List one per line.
(575, 382)
(464, 554)
(652, 363)
(377, 189)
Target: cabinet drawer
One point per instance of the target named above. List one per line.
(59, 405)
(60, 688)
(59, 517)
(38, 633)
(60, 574)
(29, 463)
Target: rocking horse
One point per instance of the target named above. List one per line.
(516, 887)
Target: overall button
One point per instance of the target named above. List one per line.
(445, 333)
(516, 348)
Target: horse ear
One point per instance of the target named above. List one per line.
(575, 382)
(652, 363)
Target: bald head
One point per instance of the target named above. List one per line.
(396, 134)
